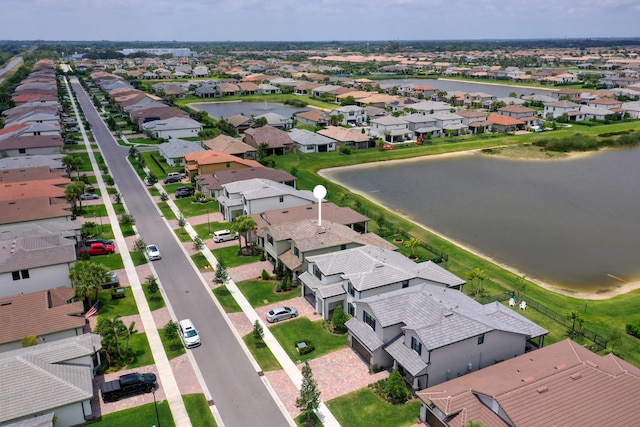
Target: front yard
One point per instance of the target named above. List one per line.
(294, 331)
(262, 292)
(361, 407)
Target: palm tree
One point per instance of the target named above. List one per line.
(72, 163)
(87, 278)
(243, 225)
(73, 192)
(576, 319)
(412, 244)
(479, 275)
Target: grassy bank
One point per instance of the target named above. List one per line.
(603, 316)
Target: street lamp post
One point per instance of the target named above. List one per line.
(208, 223)
(156, 405)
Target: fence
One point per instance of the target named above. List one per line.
(157, 163)
(598, 340)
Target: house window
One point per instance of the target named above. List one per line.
(351, 289)
(16, 275)
(343, 247)
(281, 199)
(317, 272)
(369, 320)
(25, 274)
(270, 239)
(480, 339)
(405, 283)
(22, 274)
(228, 164)
(22, 150)
(416, 345)
(296, 252)
(351, 309)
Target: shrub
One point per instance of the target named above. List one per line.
(279, 287)
(306, 350)
(345, 150)
(634, 328)
(153, 284)
(286, 283)
(182, 221)
(127, 219)
(29, 340)
(265, 275)
(139, 245)
(397, 392)
(338, 319)
(164, 196)
(198, 244)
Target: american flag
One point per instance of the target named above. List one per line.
(93, 310)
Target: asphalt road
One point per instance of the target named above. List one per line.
(238, 392)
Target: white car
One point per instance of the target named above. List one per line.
(89, 196)
(153, 253)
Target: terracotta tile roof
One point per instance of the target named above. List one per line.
(39, 313)
(209, 157)
(238, 120)
(12, 129)
(517, 109)
(471, 113)
(605, 101)
(343, 134)
(554, 385)
(52, 187)
(27, 174)
(32, 141)
(229, 145)
(276, 138)
(497, 119)
(313, 115)
(33, 209)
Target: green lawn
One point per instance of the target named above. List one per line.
(363, 408)
(182, 234)
(263, 354)
(154, 191)
(127, 230)
(210, 228)
(198, 410)
(293, 331)
(231, 258)
(173, 348)
(188, 208)
(97, 210)
(226, 300)
(260, 292)
(153, 166)
(112, 262)
(156, 300)
(119, 208)
(139, 345)
(166, 210)
(138, 416)
(138, 258)
(200, 261)
(110, 308)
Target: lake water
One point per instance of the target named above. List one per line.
(228, 109)
(452, 86)
(574, 224)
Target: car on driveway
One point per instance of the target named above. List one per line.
(112, 281)
(89, 196)
(153, 253)
(281, 313)
(185, 192)
(89, 242)
(98, 249)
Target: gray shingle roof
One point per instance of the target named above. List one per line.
(364, 334)
(35, 251)
(405, 356)
(38, 373)
(258, 188)
(304, 137)
(176, 148)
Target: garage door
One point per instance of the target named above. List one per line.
(361, 350)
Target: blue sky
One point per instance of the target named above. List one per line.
(302, 20)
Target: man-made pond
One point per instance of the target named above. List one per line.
(574, 224)
(219, 110)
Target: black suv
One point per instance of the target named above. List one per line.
(172, 178)
(89, 242)
(112, 282)
(184, 192)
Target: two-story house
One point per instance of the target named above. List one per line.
(450, 123)
(209, 161)
(257, 195)
(553, 110)
(391, 129)
(342, 278)
(432, 333)
(351, 115)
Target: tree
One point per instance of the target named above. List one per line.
(576, 321)
(153, 284)
(87, 278)
(309, 399)
(112, 331)
(151, 178)
(243, 225)
(348, 100)
(336, 119)
(221, 274)
(412, 244)
(72, 162)
(171, 331)
(258, 122)
(338, 320)
(30, 340)
(72, 194)
(496, 105)
(397, 391)
(258, 333)
(263, 151)
(479, 275)
(126, 219)
(117, 198)
(198, 244)
(139, 245)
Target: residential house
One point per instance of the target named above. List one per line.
(31, 145)
(320, 91)
(49, 315)
(173, 152)
(34, 263)
(352, 115)
(151, 114)
(226, 144)
(239, 122)
(315, 118)
(50, 381)
(423, 126)
(472, 116)
(35, 209)
(348, 137)
(505, 123)
(565, 94)
(248, 88)
(391, 129)
(311, 142)
(430, 107)
(209, 161)
(608, 103)
(379, 100)
(213, 184)
(227, 89)
(276, 120)
(339, 279)
(450, 123)
(432, 333)
(548, 386)
(206, 91)
(257, 195)
(200, 71)
(268, 89)
(174, 127)
(479, 99)
(278, 142)
(306, 88)
(588, 112)
(553, 110)
(292, 243)
(516, 111)
(632, 108)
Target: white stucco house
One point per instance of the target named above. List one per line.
(351, 115)
(175, 149)
(553, 110)
(174, 127)
(432, 333)
(310, 142)
(391, 129)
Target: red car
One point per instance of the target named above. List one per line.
(99, 249)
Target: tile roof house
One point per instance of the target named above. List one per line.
(175, 149)
(432, 333)
(226, 144)
(351, 115)
(313, 118)
(391, 129)
(311, 142)
(174, 127)
(160, 112)
(348, 137)
(257, 195)
(277, 121)
(34, 209)
(505, 123)
(552, 386)
(344, 277)
(32, 145)
(239, 122)
(213, 184)
(516, 111)
(553, 110)
(292, 243)
(209, 161)
(47, 380)
(279, 142)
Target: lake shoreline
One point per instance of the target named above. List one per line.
(329, 174)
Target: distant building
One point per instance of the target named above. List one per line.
(180, 51)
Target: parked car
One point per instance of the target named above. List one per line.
(98, 249)
(173, 177)
(185, 192)
(188, 333)
(91, 241)
(89, 196)
(224, 235)
(153, 253)
(281, 313)
(128, 385)
(112, 282)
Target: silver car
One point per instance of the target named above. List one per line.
(281, 313)
(153, 252)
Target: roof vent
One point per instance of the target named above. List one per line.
(5, 303)
(575, 376)
(542, 389)
(285, 211)
(561, 366)
(448, 314)
(527, 379)
(590, 363)
(379, 265)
